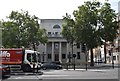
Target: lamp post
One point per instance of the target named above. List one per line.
(74, 55)
(69, 57)
(112, 56)
(111, 53)
(43, 56)
(86, 56)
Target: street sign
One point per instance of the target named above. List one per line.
(74, 55)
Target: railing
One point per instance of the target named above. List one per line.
(54, 35)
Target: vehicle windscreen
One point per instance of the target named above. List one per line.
(32, 57)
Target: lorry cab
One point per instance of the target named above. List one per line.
(30, 60)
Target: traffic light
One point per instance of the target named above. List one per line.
(83, 48)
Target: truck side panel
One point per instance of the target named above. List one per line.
(11, 56)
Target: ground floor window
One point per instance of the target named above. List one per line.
(56, 57)
(63, 56)
(117, 57)
(78, 55)
(49, 56)
(114, 57)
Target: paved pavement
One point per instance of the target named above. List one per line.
(72, 74)
(79, 74)
(96, 66)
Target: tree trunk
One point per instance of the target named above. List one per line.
(34, 47)
(105, 52)
(92, 62)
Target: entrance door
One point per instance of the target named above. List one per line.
(56, 57)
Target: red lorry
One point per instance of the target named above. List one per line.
(19, 58)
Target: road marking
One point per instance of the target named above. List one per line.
(53, 75)
(38, 77)
(87, 70)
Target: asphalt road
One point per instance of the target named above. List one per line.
(69, 75)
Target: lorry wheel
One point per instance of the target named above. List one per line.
(26, 68)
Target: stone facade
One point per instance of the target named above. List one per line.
(57, 48)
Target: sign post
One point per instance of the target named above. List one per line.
(74, 55)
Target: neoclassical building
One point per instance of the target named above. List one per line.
(57, 48)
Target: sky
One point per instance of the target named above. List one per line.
(45, 9)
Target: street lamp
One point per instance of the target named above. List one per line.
(86, 56)
(74, 55)
(112, 55)
(69, 59)
(43, 56)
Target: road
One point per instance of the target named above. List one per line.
(64, 75)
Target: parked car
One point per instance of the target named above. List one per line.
(50, 65)
(99, 61)
(4, 71)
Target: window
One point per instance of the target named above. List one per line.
(32, 57)
(56, 46)
(78, 45)
(114, 57)
(56, 33)
(49, 56)
(78, 55)
(56, 26)
(64, 44)
(63, 56)
(29, 57)
(118, 57)
(49, 33)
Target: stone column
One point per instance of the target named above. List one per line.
(53, 55)
(60, 55)
(116, 59)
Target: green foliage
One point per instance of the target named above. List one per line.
(108, 22)
(68, 28)
(86, 18)
(22, 29)
(94, 23)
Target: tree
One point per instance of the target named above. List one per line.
(68, 29)
(22, 29)
(0, 34)
(86, 25)
(109, 25)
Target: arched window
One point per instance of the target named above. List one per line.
(56, 26)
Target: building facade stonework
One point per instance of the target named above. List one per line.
(57, 48)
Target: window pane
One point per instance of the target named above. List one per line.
(114, 57)
(56, 46)
(29, 57)
(34, 58)
(56, 33)
(49, 56)
(78, 55)
(78, 45)
(49, 33)
(63, 56)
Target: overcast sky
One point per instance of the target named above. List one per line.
(45, 9)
